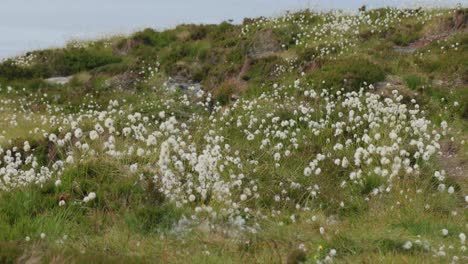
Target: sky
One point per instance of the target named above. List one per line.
(36, 24)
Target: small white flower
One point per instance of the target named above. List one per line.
(441, 187)
(78, 133)
(322, 230)
(444, 232)
(93, 135)
(58, 183)
(85, 147)
(318, 171)
(26, 146)
(108, 123)
(192, 198)
(243, 197)
(302, 247)
(408, 245)
(70, 160)
(450, 190)
(126, 131)
(92, 195)
(277, 156)
(140, 152)
(462, 237)
(134, 167)
(52, 137)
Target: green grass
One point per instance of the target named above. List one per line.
(414, 82)
(350, 73)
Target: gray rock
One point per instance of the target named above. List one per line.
(123, 81)
(59, 80)
(404, 50)
(183, 85)
(264, 42)
(439, 83)
(460, 82)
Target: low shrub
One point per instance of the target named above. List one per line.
(262, 69)
(154, 38)
(349, 73)
(405, 34)
(74, 60)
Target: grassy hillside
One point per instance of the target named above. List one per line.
(310, 137)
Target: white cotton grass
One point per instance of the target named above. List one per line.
(407, 245)
(58, 183)
(134, 167)
(462, 238)
(322, 230)
(445, 232)
(211, 168)
(78, 133)
(93, 135)
(90, 197)
(451, 190)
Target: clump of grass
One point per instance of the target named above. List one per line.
(414, 82)
(224, 93)
(10, 252)
(262, 69)
(154, 219)
(350, 73)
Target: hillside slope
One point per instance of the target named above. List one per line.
(310, 137)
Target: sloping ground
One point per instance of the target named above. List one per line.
(300, 138)
(457, 25)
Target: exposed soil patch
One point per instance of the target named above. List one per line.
(312, 66)
(460, 19)
(52, 153)
(455, 166)
(391, 83)
(245, 68)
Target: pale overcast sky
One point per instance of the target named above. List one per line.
(33, 24)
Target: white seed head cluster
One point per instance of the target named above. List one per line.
(360, 134)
